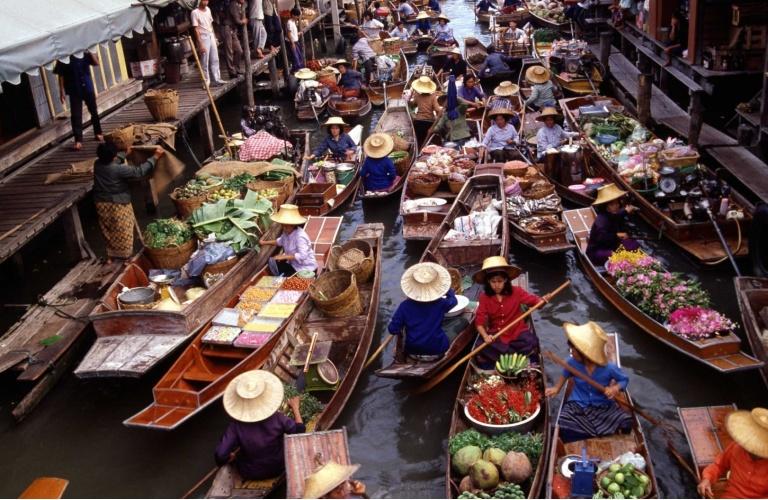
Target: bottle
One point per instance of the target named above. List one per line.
(724, 204)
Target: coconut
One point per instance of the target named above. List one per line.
(495, 456)
(466, 484)
(484, 474)
(516, 467)
(464, 458)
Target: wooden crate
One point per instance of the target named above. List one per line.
(315, 194)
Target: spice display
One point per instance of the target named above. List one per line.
(281, 311)
(270, 282)
(227, 317)
(221, 334)
(262, 325)
(257, 294)
(251, 340)
(286, 297)
(296, 283)
(164, 233)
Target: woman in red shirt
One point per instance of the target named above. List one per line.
(500, 304)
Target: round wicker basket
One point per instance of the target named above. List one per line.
(335, 294)
(171, 257)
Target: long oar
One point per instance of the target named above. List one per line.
(444, 374)
(210, 474)
(377, 352)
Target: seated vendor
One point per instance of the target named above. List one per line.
(744, 461)
(443, 32)
(513, 34)
(454, 65)
(427, 287)
(542, 88)
(589, 412)
(338, 143)
(423, 24)
(378, 171)
(501, 139)
(298, 254)
(452, 125)
(434, 6)
(471, 92)
(248, 125)
(551, 135)
(495, 63)
(607, 233)
(351, 81)
(333, 480)
(400, 31)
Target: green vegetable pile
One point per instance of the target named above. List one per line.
(309, 406)
(196, 187)
(164, 233)
(545, 35)
(238, 182)
(532, 444)
(624, 481)
(504, 490)
(398, 155)
(239, 222)
(624, 123)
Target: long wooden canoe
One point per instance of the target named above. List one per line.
(520, 16)
(704, 428)
(394, 87)
(350, 109)
(459, 424)
(351, 339)
(395, 120)
(467, 257)
(698, 237)
(202, 372)
(475, 56)
(752, 296)
(543, 20)
(723, 353)
(601, 449)
(573, 84)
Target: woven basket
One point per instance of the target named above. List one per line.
(455, 186)
(401, 165)
(335, 294)
(539, 191)
(516, 171)
(355, 256)
(400, 144)
(121, 137)
(185, 207)
(222, 267)
(172, 257)
(163, 104)
(455, 280)
(424, 188)
(285, 186)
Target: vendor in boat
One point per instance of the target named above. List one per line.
(297, 247)
(588, 412)
(333, 480)
(511, 6)
(542, 88)
(551, 135)
(427, 287)
(495, 63)
(452, 124)
(427, 107)
(434, 6)
(378, 171)
(309, 90)
(470, 92)
(406, 10)
(501, 140)
(443, 32)
(744, 461)
(351, 80)
(252, 399)
(423, 24)
(607, 233)
(505, 98)
(513, 34)
(400, 31)
(112, 196)
(362, 52)
(248, 125)
(500, 303)
(337, 142)
(454, 65)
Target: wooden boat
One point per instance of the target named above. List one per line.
(520, 16)
(707, 437)
(572, 83)
(301, 456)
(752, 296)
(45, 487)
(475, 55)
(544, 21)
(465, 256)
(600, 449)
(695, 237)
(202, 372)
(351, 339)
(459, 424)
(305, 111)
(394, 87)
(420, 126)
(395, 120)
(721, 353)
(351, 109)
(438, 53)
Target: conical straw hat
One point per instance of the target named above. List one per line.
(288, 214)
(589, 339)
(422, 15)
(305, 74)
(326, 478)
(331, 69)
(549, 111)
(253, 396)
(750, 430)
(424, 85)
(506, 88)
(608, 193)
(493, 264)
(425, 282)
(335, 120)
(342, 61)
(537, 74)
(444, 18)
(378, 145)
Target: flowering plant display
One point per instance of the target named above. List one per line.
(499, 403)
(698, 323)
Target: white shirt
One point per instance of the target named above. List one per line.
(517, 35)
(293, 31)
(257, 10)
(400, 33)
(203, 19)
(372, 28)
(361, 50)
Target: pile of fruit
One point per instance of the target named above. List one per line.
(224, 194)
(625, 481)
(269, 193)
(196, 187)
(504, 490)
(238, 182)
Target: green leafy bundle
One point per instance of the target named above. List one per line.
(238, 182)
(309, 406)
(545, 35)
(239, 222)
(164, 233)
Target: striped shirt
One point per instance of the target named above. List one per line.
(542, 95)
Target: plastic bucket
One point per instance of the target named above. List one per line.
(345, 174)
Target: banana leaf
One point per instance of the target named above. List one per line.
(239, 222)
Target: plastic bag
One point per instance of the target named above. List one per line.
(211, 253)
(627, 458)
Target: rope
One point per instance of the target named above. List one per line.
(734, 252)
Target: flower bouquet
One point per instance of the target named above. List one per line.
(696, 323)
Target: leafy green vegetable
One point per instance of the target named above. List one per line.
(238, 182)
(545, 35)
(470, 437)
(309, 406)
(239, 222)
(164, 233)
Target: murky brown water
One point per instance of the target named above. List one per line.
(399, 439)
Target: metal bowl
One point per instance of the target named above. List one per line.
(520, 427)
(138, 295)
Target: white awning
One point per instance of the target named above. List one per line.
(36, 33)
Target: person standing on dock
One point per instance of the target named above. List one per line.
(258, 31)
(75, 81)
(233, 19)
(202, 20)
(292, 28)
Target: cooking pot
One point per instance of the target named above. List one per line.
(137, 296)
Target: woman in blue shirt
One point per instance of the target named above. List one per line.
(588, 412)
(338, 142)
(434, 5)
(378, 172)
(427, 287)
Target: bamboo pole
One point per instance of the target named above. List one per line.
(378, 351)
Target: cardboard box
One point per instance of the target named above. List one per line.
(144, 69)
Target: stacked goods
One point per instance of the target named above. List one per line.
(168, 243)
(549, 10)
(163, 104)
(438, 165)
(193, 194)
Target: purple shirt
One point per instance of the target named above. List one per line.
(470, 94)
(603, 239)
(297, 243)
(261, 446)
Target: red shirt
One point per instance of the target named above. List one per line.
(749, 477)
(495, 315)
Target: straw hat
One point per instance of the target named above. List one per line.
(506, 88)
(425, 282)
(589, 339)
(342, 61)
(750, 430)
(444, 18)
(305, 74)
(253, 396)
(537, 74)
(608, 193)
(455, 50)
(549, 111)
(422, 15)
(288, 214)
(494, 264)
(335, 120)
(424, 85)
(501, 111)
(378, 145)
(331, 69)
(326, 478)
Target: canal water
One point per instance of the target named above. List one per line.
(399, 439)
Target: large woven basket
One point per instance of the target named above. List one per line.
(455, 280)
(185, 207)
(402, 164)
(355, 256)
(222, 267)
(285, 186)
(163, 104)
(455, 186)
(538, 191)
(335, 294)
(425, 188)
(399, 144)
(172, 257)
(121, 137)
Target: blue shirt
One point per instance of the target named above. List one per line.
(351, 79)
(496, 63)
(483, 6)
(586, 395)
(424, 26)
(378, 173)
(337, 148)
(471, 94)
(434, 5)
(76, 75)
(423, 324)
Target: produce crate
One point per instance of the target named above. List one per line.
(679, 161)
(315, 194)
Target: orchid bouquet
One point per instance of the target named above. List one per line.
(697, 323)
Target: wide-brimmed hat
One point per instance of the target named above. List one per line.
(589, 339)
(378, 145)
(425, 282)
(424, 85)
(549, 111)
(496, 264)
(326, 478)
(537, 74)
(422, 15)
(253, 396)
(501, 111)
(288, 214)
(335, 120)
(750, 430)
(342, 62)
(506, 89)
(608, 193)
(305, 74)
(444, 18)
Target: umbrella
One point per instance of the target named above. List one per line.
(453, 99)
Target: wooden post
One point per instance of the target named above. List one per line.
(273, 79)
(696, 112)
(73, 234)
(644, 91)
(248, 68)
(605, 49)
(206, 131)
(336, 23)
(764, 108)
(312, 42)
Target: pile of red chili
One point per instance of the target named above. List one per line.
(501, 404)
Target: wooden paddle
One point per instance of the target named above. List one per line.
(377, 352)
(210, 474)
(444, 374)
(309, 352)
(45, 487)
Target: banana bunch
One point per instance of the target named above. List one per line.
(512, 364)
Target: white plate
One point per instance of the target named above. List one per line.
(430, 202)
(458, 308)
